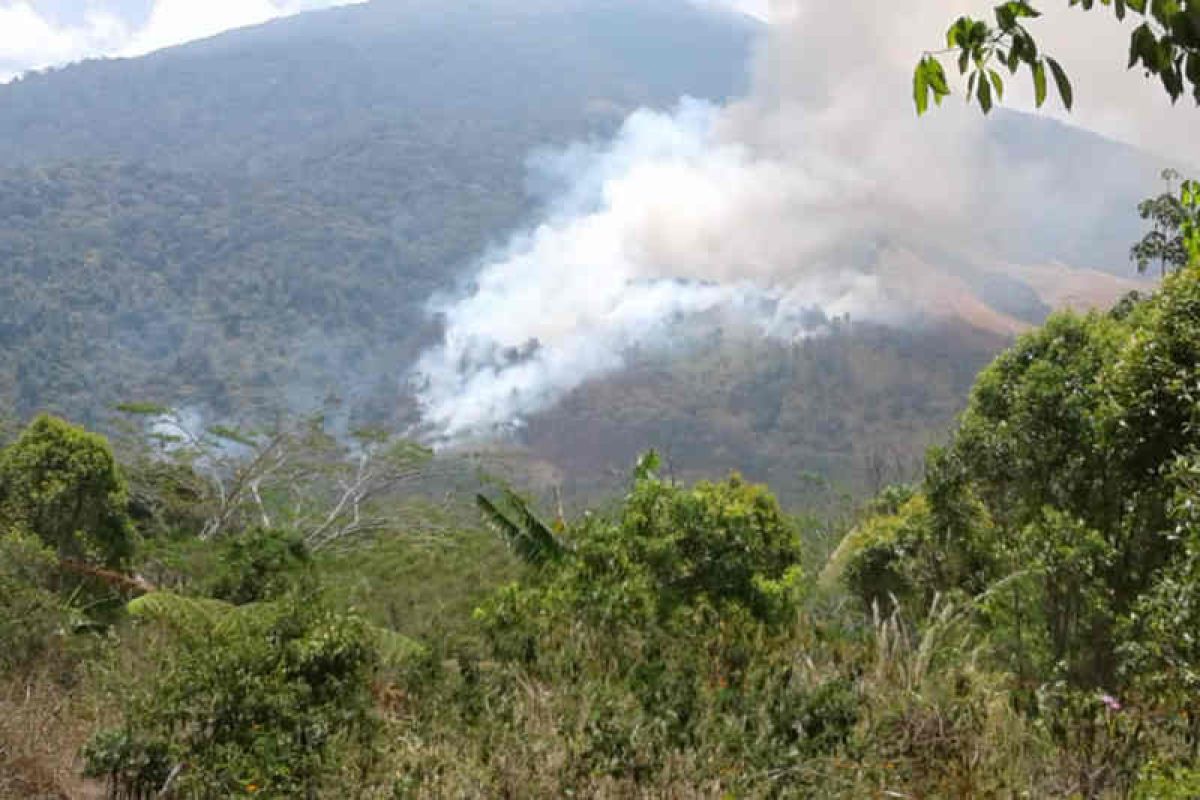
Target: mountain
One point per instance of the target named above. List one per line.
(258, 218)
(256, 222)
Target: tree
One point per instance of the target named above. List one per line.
(62, 483)
(261, 699)
(1070, 481)
(32, 615)
(1166, 45)
(670, 552)
(295, 477)
(1165, 243)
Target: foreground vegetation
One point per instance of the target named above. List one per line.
(180, 621)
(222, 613)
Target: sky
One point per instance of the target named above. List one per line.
(42, 33)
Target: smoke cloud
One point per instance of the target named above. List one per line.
(640, 238)
(821, 190)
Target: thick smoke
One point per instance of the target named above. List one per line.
(821, 189)
(643, 235)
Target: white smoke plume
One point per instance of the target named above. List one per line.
(821, 189)
(640, 238)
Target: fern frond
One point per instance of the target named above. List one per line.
(395, 649)
(191, 614)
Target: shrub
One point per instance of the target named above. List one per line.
(259, 699)
(32, 615)
(260, 565)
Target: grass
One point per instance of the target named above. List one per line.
(43, 724)
(423, 585)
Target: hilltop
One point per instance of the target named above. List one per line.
(254, 223)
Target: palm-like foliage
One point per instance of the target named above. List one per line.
(529, 537)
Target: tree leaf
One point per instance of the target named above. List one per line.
(984, 94)
(1064, 84)
(997, 83)
(921, 88)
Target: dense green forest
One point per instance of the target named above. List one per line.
(230, 613)
(250, 223)
(253, 224)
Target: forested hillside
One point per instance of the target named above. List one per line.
(230, 614)
(256, 222)
(248, 222)
(850, 411)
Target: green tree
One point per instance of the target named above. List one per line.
(260, 565)
(1166, 242)
(257, 700)
(671, 558)
(1166, 45)
(62, 483)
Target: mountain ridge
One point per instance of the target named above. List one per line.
(253, 223)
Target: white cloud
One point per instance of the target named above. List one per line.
(759, 9)
(174, 22)
(30, 40)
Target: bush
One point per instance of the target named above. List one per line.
(871, 561)
(32, 615)
(260, 565)
(263, 700)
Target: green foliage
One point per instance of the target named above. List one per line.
(672, 549)
(32, 615)
(167, 499)
(63, 484)
(1165, 782)
(1176, 220)
(1166, 45)
(872, 558)
(132, 768)
(254, 701)
(529, 537)
(1031, 430)
(1071, 606)
(260, 565)
(1161, 646)
(656, 610)
(1064, 509)
(725, 542)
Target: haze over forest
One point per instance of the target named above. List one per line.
(390, 204)
(599, 399)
